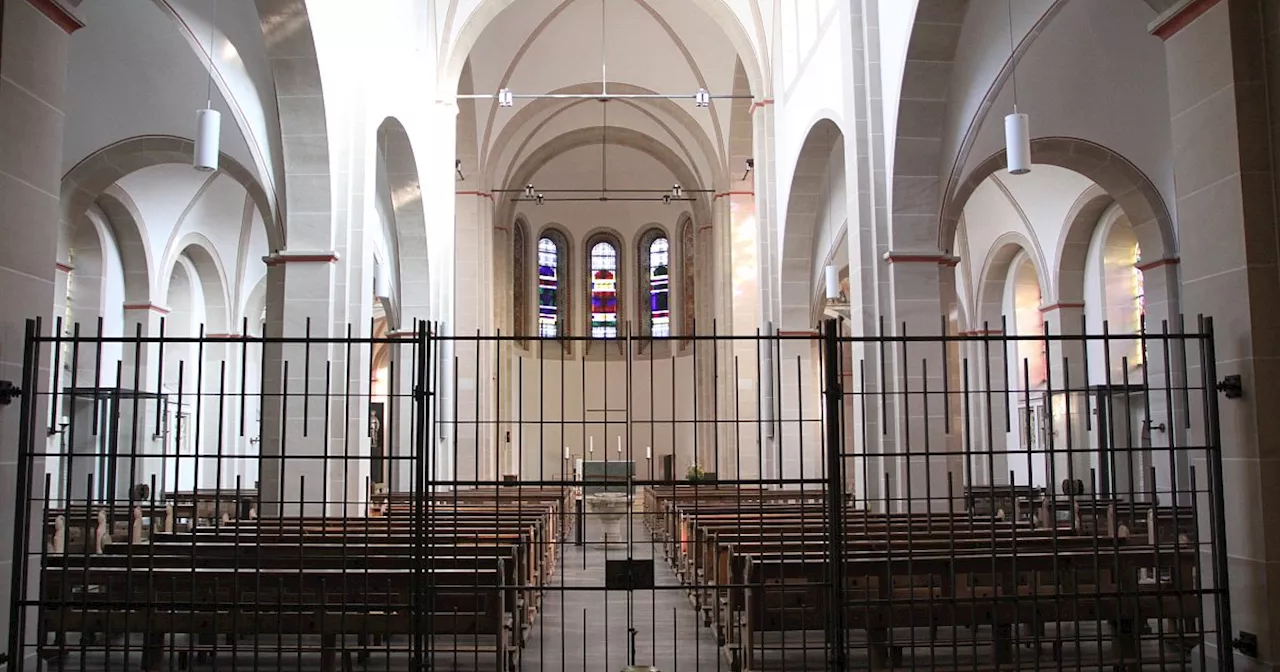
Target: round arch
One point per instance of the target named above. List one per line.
(803, 206)
(641, 247)
(1115, 174)
(203, 258)
(412, 262)
(487, 11)
(590, 136)
(119, 215)
(622, 279)
(1073, 244)
(88, 179)
(994, 277)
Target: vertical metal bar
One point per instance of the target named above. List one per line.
(835, 498)
(1213, 446)
(21, 521)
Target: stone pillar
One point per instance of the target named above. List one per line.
(1219, 55)
(32, 93)
(1066, 358)
(294, 467)
(926, 470)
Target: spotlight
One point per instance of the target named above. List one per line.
(505, 98)
(675, 191)
(539, 199)
(751, 165)
(666, 199)
(528, 190)
(702, 98)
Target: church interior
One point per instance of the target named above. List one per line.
(746, 335)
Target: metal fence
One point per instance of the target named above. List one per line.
(794, 501)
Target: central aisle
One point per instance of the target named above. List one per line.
(581, 628)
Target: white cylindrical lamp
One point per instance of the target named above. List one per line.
(208, 138)
(833, 283)
(1017, 141)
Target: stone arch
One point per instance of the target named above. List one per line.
(120, 216)
(989, 312)
(803, 205)
(688, 245)
(1116, 175)
(88, 179)
(531, 118)
(86, 253)
(253, 309)
(1073, 243)
(412, 262)
(487, 10)
(210, 273)
(640, 247)
(304, 132)
(589, 136)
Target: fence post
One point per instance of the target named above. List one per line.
(834, 399)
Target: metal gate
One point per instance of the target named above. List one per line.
(792, 501)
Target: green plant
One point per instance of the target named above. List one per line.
(695, 473)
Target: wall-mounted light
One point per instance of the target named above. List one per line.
(457, 168)
(833, 283)
(751, 165)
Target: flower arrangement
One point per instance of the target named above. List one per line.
(695, 473)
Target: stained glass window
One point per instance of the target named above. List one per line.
(686, 268)
(660, 287)
(548, 288)
(604, 291)
(1139, 303)
(519, 279)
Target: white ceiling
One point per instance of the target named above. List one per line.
(543, 46)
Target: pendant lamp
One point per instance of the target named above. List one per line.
(1017, 126)
(208, 120)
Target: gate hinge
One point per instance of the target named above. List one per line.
(8, 392)
(1231, 386)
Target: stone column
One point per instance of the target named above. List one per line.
(926, 470)
(1219, 56)
(1069, 442)
(299, 304)
(32, 93)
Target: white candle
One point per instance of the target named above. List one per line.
(566, 452)
(619, 445)
(591, 445)
(648, 452)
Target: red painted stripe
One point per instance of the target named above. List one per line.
(760, 103)
(1183, 18)
(481, 194)
(733, 193)
(65, 268)
(813, 334)
(301, 258)
(1061, 305)
(1157, 264)
(146, 306)
(916, 258)
(58, 14)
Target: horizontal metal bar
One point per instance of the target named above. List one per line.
(604, 199)
(600, 96)
(601, 190)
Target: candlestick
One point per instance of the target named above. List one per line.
(648, 452)
(566, 452)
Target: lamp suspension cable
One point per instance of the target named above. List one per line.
(208, 120)
(1017, 127)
